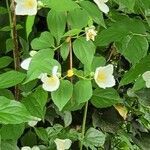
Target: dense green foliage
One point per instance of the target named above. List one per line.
(117, 118)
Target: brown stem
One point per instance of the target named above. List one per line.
(16, 55)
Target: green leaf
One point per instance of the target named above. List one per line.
(64, 50)
(13, 112)
(7, 93)
(11, 132)
(97, 62)
(94, 138)
(72, 32)
(73, 18)
(127, 4)
(56, 24)
(44, 41)
(42, 134)
(118, 30)
(63, 94)
(42, 62)
(5, 61)
(9, 145)
(136, 45)
(67, 117)
(3, 11)
(63, 5)
(11, 78)
(82, 91)
(93, 11)
(35, 103)
(29, 24)
(134, 72)
(84, 50)
(105, 98)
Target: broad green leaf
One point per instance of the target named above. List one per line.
(105, 97)
(13, 112)
(44, 41)
(82, 91)
(127, 4)
(42, 62)
(56, 22)
(9, 145)
(64, 50)
(133, 48)
(7, 93)
(5, 61)
(29, 24)
(11, 132)
(63, 94)
(42, 134)
(63, 5)
(93, 11)
(67, 117)
(134, 72)
(73, 18)
(10, 78)
(94, 138)
(72, 32)
(118, 30)
(35, 103)
(97, 62)
(84, 50)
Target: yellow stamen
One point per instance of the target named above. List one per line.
(29, 4)
(51, 80)
(101, 76)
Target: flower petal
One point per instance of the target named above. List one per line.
(25, 63)
(35, 148)
(102, 6)
(26, 148)
(146, 75)
(54, 70)
(51, 83)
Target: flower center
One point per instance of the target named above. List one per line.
(101, 76)
(51, 81)
(29, 4)
(90, 35)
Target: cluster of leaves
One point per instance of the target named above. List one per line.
(117, 118)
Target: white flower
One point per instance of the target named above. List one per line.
(146, 78)
(102, 6)
(104, 76)
(51, 83)
(90, 33)
(32, 123)
(25, 63)
(29, 148)
(63, 144)
(26, 7)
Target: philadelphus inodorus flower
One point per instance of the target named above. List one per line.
(29, 148)
(102, 6)
(25, 63)
(63, 144)
(51, 83)
(146, 78)
(104, 76)
(90, 33)
(26, 7)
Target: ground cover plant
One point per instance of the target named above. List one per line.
(74, 74)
